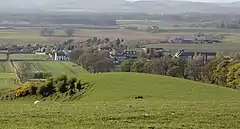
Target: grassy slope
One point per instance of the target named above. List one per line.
(123, 86)
(168, 103)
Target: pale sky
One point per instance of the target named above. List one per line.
(219, 1)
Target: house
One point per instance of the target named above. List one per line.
(61, 56)
(119, 56)
(181, 54)
(155, 51)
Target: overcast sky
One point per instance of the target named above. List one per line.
(200, 0)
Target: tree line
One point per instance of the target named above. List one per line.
(220, 71)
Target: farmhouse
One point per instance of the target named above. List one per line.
(194, 40)
(61, 56)
(181, 54)
(119, 55)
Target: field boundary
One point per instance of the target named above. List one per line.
(15, 70)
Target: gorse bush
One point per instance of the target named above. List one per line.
(51, 86)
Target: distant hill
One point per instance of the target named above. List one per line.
(157, 6)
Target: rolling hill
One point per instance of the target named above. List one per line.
(167, 103)
(124, 86)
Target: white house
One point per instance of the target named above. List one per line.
(61, 55)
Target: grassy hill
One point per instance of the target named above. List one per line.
(167, 103)
(124, 86)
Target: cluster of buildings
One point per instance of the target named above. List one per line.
(61, 51)
(193, 40)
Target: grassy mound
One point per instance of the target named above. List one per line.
(123, 86)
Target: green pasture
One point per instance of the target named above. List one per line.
(55, 67)
(29, 57)
(167, 103)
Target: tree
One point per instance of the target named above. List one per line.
(104, 65)
(175, 71)
(209, 68)
(107, 40)
(233, 76)
(160, 66)
(193, 70)
(138, 66)
(219, 76)
(118, 42)
(96, 62)
(70, 32)
(126, 65)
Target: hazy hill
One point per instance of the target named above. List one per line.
(157, 6)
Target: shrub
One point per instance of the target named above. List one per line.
(71, 83)
(50, 86)
(61, 87)
(33, 90)
(19, 92)
(79, 85)
(42, 90)
(71, 92)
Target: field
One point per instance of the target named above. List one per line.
(167, 103)
(55, 67)
(5, 67)
(7, 76)
(32, 36)
(28, 57)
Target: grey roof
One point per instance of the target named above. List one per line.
(61, 53)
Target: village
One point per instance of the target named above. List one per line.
(118, 50)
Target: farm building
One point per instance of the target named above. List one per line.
(61, 56)
(121, 55)
(181, 54)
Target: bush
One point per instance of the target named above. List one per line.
(50, 86)
(71, 92)
(79, 85)
(61, 87)
(127, 65)
(42, 90)
(33, 90)
(71, 83)
(61, 78)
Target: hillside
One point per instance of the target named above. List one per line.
(167, 103)
(124, 86)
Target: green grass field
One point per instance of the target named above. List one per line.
(168, 103)
(55, 67)
(6, 67)
(29, 56)
(7, 76)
